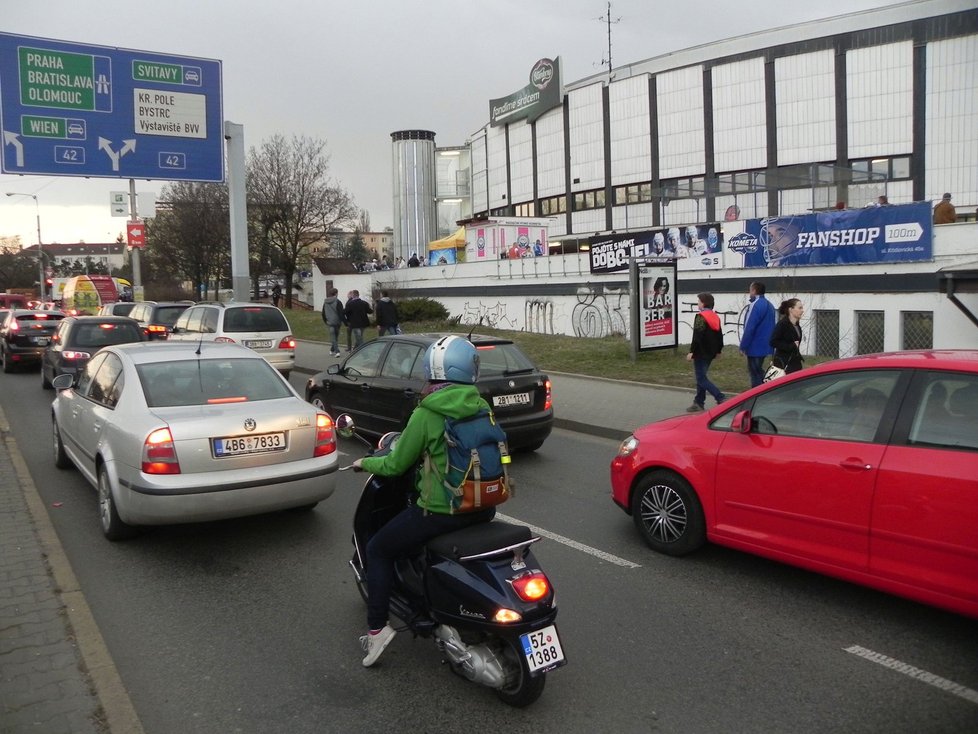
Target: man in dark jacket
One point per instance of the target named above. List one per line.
(387, 319)
(357, 316)
(706, 346)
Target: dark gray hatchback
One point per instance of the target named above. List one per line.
(381, 382)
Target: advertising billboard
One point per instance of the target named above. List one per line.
(892, 233)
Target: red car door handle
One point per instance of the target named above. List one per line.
(855, 464)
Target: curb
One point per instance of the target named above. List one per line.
(119, 713)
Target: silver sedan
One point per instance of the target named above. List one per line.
(174, 432)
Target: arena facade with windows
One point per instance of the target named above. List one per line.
(809, 118)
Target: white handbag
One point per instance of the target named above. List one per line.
(773, 373)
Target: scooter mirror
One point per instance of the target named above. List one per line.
(344, 425)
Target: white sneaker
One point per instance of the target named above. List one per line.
(374, 645)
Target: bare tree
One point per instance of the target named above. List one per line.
(364, 221)
(190, 237)
(290, 178)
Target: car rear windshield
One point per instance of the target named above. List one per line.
(47, 317)
(102, 335)
(502, 359)
(254, 318)
(209, 382)
(122, 309)
(168, 315)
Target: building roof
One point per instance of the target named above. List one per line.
(334, 265)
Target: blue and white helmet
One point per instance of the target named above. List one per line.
(452, 359)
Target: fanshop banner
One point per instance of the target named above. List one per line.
(693, 247)
(896, 233)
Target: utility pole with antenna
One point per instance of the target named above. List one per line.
(607, 19)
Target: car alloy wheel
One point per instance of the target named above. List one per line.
(112, 525)
(668, 514)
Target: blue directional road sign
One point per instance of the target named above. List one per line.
(72, 110)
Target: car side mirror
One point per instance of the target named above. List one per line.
(63, 382)
(333, 369)
(741, 422)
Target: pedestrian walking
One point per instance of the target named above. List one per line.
(786, 337)
(387, 320)
(276, 294)
(755, 342)
(333, 318)
(707, 344)
(346, 322)
(357, 317)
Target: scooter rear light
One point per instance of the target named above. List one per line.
(532, 586)
(159, 454)
(325, 437)
(506, 616)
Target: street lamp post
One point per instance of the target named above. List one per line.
(40, 258)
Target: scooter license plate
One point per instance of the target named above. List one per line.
(542, 649)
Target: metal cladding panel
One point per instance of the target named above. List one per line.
(586, 112)
(550, 154)
(806, 107)
(739, 109)
(480, 183)
(521, 161)
(633, 216)
(682, 147)
(631, 144)
(414, 191)
(496, 166)
(879, 93)
(588, 221)
(952, 108)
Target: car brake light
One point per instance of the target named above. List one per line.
(325, 437)
(532, 586)
(287, 343)
(224, 339)
(15, 325)
(156, 329)
(547, 402)
(70, 356)
(159, 455)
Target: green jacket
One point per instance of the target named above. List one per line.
(425, 432)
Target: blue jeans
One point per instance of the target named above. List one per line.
(334, 338)
(755, 368)
(703, 384)
(404, 534)
(357, 336)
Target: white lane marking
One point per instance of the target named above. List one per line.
(968, 694)
(572, 543)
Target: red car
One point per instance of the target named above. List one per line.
(864, 468)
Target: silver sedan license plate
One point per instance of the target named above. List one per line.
(257, 444)
(520, 398)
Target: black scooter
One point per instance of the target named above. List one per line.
(479, 591)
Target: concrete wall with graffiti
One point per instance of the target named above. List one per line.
(559, 295)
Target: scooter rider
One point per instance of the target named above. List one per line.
(451, 367)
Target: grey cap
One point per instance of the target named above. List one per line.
(947, 196)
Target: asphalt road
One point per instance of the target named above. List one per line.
(251, 625)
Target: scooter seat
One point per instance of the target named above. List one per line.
(477, 539)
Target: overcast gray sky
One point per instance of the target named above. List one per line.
(352, 72)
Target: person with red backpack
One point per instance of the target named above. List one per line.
(707, 344)
(451, 367)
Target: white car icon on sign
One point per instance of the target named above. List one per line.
(191, 75)
(76, 128)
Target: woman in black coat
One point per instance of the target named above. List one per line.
(786, 337)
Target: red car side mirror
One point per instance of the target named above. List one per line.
(741, 422)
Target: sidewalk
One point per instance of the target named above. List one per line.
(56, 676)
